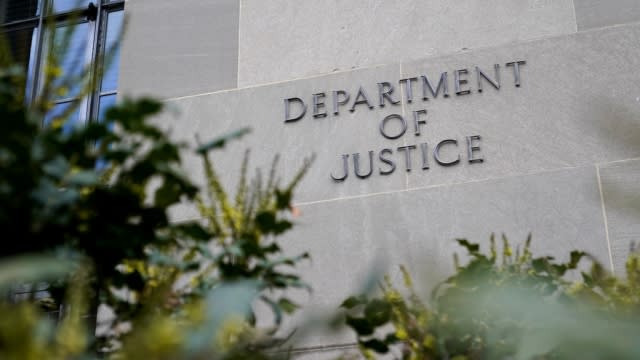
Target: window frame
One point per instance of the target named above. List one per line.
(89, 107)
(96, 15)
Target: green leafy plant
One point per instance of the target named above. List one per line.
(504, 305)
(96, 196)
(241, 246)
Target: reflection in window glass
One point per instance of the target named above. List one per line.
(68, 5)
(14, 10)
(71, 57)
(106, 101)
(112, 55)
(22, 45)
(58, 110)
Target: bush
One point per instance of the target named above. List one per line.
(512, 306)
(86, 209)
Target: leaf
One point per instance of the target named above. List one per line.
(269, 224)
(540, 264)
(378, 312)
(283, 199)
(229, 300)
(194, 231)
(57, 167)
(375, 345)
(84, 178)
(266, 221)
(353, 301)
(168, 194)
(221, 141)
(287, 305)
(291, 261)
(282, 227)
(32, 268)
(472, 248)
(235, 250)
(360, 325)
(576, 256)
(391, 338)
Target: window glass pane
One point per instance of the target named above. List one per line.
(112, 55)
(58, 110)
(68, 5)
(106, 101)
(22, 46)
(71, 54)
(13, 10)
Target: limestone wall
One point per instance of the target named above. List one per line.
(560, 151)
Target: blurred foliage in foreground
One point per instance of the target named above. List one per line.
(84, 208)
(505, 306)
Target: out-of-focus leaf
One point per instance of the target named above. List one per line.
(226, 301)
(353, 301)
(84, 178)
(32, 268)
(377, 312)
(221, 141)
(287, 305)
(57, 167)
(375, 345)
(360, 325)
(472, 248)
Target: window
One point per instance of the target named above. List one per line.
(93, 29)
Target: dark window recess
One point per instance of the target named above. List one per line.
(14, 10)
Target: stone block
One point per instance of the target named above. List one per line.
(418, 228)
(167, 58)
(282, 40)
(597, 13)
(621, 194)
(577, 105)
(262, 110)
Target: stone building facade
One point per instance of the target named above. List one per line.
(454, 119)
